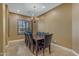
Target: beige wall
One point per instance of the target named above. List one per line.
(13, 26)
(6, 25)
(75, 27)
(2, 28)
(59, 22)
(34, 27)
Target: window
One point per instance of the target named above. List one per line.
(22, 26)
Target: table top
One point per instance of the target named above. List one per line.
(40, 37)
(37, 37)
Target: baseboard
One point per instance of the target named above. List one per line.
(1, 54)
(67, 49)
(16, 40)
(75, 53)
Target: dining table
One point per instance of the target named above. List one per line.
(38, 38)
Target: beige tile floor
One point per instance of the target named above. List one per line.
(19, 49)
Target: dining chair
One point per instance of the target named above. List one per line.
(31, 43)
(40, 33)
(27, 34)
(47, 43)
(26, 39)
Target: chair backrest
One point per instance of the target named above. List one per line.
(40, 33)
(30, 39)
(28, 33)
(47, 39)
(26, 36)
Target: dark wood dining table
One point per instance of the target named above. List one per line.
(38, 38)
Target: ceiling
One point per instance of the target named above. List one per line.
(31, 9)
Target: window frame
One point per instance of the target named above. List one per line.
(18, 26)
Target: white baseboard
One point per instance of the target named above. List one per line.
(16, 40)
(75, 53)
(67, 49)
(1, 54)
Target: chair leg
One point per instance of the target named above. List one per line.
(27, 42)
(33, 49)
(29, 45)
(36, 52)
(49, 49)
(43, 51)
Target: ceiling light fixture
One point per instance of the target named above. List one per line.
(33, 17)
(18, 11)
(43, 6)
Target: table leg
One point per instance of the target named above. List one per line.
(36, 48)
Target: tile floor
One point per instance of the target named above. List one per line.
(19, 49)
